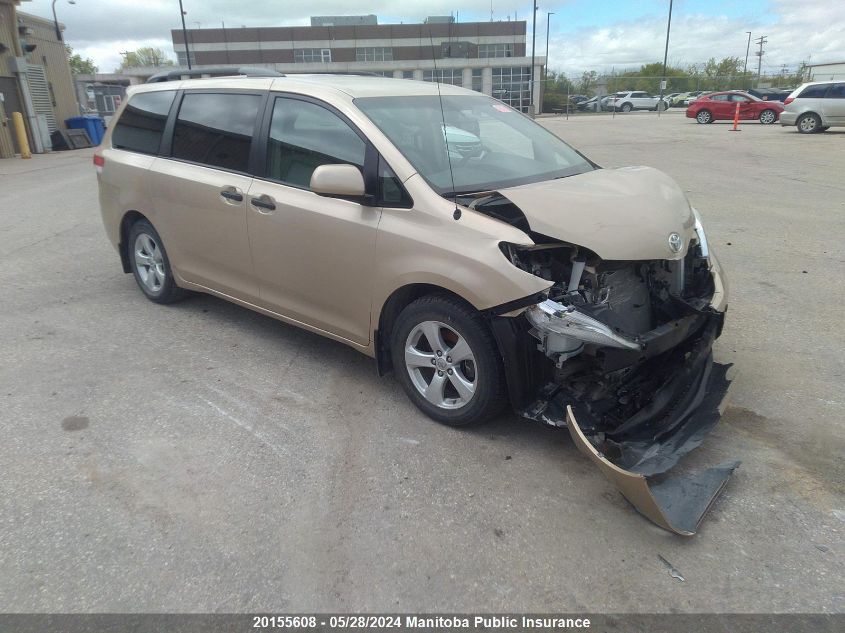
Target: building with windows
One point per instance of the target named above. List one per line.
(488, 57)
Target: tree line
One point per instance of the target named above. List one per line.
(145, 56)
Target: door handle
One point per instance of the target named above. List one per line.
(234, 196)
(263, 202)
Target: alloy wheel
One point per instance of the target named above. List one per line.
(149, 262)
(703, 117)
(441, 365)
(807, 124)
(767, 117)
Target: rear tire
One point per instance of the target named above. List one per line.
(150, 264)
(446, 360)
(809, 123)
(704, 117)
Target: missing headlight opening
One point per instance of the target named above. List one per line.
(624, 357)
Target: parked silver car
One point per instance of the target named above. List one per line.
(815, 106)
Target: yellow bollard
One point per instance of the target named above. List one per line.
(20, 132)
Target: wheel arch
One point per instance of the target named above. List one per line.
(397, 301)
(129, 218)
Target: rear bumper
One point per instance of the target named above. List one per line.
(788, 118)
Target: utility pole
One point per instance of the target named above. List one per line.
(760, 40)
(665, 56)
(185, 35)
(533, 43)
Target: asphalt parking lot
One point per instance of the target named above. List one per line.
(201, 457)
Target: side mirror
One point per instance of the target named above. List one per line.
(338, 180)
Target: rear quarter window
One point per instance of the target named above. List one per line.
(837, 91)
(814, 92)
(141, 125)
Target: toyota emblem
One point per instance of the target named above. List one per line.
(676, 242)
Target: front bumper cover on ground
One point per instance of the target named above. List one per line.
(677, 504)
(635, 453)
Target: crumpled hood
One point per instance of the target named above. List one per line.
(620, 214)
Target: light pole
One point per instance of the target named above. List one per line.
(665, 56)
(533, 46)
(56, 20)
(548, 22)
(747, 49)
(185, 35)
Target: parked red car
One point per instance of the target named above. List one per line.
(721, 106)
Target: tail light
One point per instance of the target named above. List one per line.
(788, 100)
(99, 161)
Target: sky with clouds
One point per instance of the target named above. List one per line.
(584, 34)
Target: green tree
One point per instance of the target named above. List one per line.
(80, 65)
(647, 79)
(725, 74)
(146, 56)
(587, 83)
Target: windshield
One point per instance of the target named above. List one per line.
(490, 145)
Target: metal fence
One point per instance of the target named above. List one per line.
(590, 92)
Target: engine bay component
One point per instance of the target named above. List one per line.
(563, 330)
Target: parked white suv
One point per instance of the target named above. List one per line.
(815, 106)
(627, 101)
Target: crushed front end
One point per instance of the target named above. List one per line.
(620, 352)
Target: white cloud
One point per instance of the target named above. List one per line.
(797, 29)
(809, 30)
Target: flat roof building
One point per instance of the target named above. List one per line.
(489, 57)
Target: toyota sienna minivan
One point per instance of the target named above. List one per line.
(468, 250)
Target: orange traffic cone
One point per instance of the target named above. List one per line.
(736, 120)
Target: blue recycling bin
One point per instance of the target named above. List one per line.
(92, 124)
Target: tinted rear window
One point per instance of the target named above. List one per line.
(814, 92)
(141, 125)
(216, 129)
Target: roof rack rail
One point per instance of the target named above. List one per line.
(213, 71)
(354, 73)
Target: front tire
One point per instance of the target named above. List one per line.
(627, 107)
(808, 123)
(704, 117)
(446, 360)
(150, 264)
(767, 117)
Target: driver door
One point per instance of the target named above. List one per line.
(313, 255)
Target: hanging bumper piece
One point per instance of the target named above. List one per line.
(682, 395)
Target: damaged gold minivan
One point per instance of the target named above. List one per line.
(467, 249)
